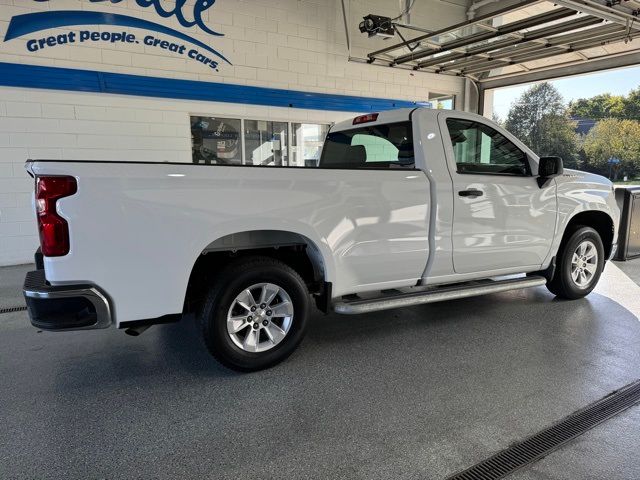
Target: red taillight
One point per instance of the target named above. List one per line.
(54, 231)
(369, 117)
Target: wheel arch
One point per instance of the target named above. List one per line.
(292, 248)
(600, 221)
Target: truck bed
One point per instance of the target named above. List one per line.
(137, 228)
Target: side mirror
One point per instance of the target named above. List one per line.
(548, 167)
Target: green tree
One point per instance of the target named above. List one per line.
(613, 138)
(559, 138)
(598, 107)
(606, 105)
(632, 105)
(539, 119)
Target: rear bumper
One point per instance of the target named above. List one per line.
(67, 307)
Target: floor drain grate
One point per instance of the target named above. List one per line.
(13, 309)
(542, 443)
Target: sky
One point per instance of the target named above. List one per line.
(616, 82)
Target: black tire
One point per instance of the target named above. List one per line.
(562, 284)
(235, 278)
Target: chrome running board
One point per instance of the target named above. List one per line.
(435, 294)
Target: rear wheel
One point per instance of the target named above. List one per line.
(255, 314)
(579, 264)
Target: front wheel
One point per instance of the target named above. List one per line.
(579, 264)
(255, 315)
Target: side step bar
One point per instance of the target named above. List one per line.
(436, 294)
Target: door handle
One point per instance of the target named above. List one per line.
(472, 192)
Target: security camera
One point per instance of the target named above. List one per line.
(377, 26)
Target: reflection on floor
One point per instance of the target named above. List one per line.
(619, 287)
(631, 268)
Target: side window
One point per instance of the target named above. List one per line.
(479, 148)
(216, 140)
(258, 143)
(386, 146)
(265, 143)
(306, 144)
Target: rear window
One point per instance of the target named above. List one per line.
(387, 146)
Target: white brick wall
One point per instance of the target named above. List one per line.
(292, 44)
(81, 126)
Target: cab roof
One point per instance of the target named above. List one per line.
(386, 116)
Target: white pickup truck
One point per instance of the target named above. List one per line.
(405, 207)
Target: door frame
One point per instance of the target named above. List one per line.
(532, 158)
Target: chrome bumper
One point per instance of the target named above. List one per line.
(67, 307)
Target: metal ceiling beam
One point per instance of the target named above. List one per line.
(506, 63)
(455, 27)
(472, 52)
(591, 7)
(604, 33)
(540, 54)
(500, 31)
(413, 27)
(527, 37)
(581, 67)
(584, 34)
(545, 53)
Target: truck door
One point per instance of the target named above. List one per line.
(502, 218)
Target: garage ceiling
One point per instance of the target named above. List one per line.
(512, 43)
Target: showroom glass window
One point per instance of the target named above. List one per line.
(386, 146)
(307, 141)
(442, 101)
(445, 103)
(265, 143)
(216, 140)
(481, 149)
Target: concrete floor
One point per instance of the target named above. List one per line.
(418, 393)
(11, 279)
